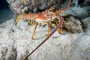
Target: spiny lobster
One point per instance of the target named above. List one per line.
(44, 18)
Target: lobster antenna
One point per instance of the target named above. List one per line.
(44, 40)
(69, 32)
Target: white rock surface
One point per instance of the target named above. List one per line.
(80, 12)
(16, 43)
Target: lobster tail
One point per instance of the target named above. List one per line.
(26, 17)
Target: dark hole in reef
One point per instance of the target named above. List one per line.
(4, 4)
(80, 1)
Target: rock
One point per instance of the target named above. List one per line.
(10, 1)
(18, 5)
(74, 25)
(80, 12)
(87, 3)
(16, 43)
(86, 24)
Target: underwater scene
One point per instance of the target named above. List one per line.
(45, 30)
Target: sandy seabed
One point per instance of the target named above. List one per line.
(16, 43)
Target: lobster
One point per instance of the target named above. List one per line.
(45, 17)
(37, 17)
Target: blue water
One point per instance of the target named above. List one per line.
(5, 12)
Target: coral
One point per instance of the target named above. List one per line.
(18, 5)
(24, 10)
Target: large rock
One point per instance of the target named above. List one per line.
(16, 43)
(17, 6)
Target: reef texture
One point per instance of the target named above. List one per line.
(74, 25)
(32, 5)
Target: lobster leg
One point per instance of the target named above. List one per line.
(34, 30)
(28, 22)
(60, 23)
(47, 28)
(69, 32)
(59, 30)
(31, 26)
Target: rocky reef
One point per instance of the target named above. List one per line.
(16, 42)
(74, 25)
(17, 6)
